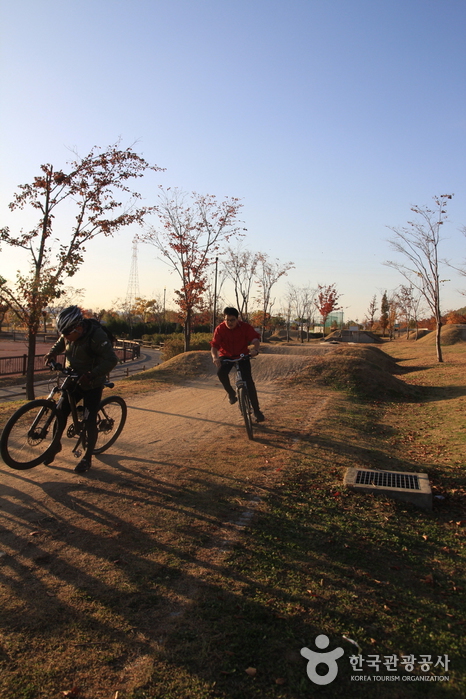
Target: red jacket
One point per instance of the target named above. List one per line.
(232, 343)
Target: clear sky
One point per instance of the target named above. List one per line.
(328, 118)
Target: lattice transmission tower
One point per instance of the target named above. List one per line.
(132, 291)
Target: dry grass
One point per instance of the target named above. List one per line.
(170, 580)
(449, 335)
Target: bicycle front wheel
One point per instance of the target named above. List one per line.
(246, 410)
(29, 434)
(111, 419)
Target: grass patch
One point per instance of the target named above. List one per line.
(153, 583)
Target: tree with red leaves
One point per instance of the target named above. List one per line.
(91, 184)
(189, 237)
(326, 302)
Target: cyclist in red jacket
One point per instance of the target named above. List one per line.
(232, 339)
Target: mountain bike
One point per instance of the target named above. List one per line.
(244, 402)
(33, 432)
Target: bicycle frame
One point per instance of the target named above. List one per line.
(65, 389)
(242, 393)
(78, 425)
(239, 381)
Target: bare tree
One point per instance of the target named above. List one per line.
(300, 301)
(408, 302)
(189, 236)
(267, 275)
(240, 266)
(419, 243)
(69, 296)
(371, 311)
(392, 315)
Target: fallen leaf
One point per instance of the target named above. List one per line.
(251, 671)
(425, 537)
(280, 680)
(71, 692)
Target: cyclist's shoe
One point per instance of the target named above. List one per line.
(233, 399)
(259, 416)
(50, 459)
(83, 466)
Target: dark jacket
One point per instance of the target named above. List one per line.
(92, 353)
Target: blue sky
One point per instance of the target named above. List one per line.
(328, 118)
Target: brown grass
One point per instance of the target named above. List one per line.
(449, 335)
(148, 583)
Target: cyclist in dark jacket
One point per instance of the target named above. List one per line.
(89, 352)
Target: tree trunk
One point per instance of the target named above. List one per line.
(187, 331)
(30, 364)
(437, 341)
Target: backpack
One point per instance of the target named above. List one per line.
(95, 324)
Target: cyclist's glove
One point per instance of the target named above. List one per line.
(85, 380)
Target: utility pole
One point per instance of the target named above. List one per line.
(214, 314)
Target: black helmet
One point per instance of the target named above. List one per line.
(68, 319)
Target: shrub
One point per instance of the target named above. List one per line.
(175, 344)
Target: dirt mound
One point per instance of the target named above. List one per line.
(195, 364)
(373, 355)
(310, 350)
(275, 367)
(362, 336)
(198, 365)
(363, 371)
(449, 335)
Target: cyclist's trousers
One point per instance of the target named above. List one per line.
(91, 401)
(223, 375)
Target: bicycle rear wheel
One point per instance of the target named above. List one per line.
(246, 410)
(111, 419)
(29, 434)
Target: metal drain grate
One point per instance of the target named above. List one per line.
(385, 479)
(400, 485)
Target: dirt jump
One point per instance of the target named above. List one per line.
(163, 484)
(162, 425)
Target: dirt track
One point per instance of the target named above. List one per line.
(171, 496)
(163, 426)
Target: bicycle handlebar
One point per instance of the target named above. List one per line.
(56, 366)
(242, 357)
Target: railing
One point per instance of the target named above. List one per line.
(125, 350)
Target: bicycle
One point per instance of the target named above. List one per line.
(244, 402)
(32, 433)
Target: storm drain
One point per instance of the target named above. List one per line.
(385, 479)
(400, 485)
